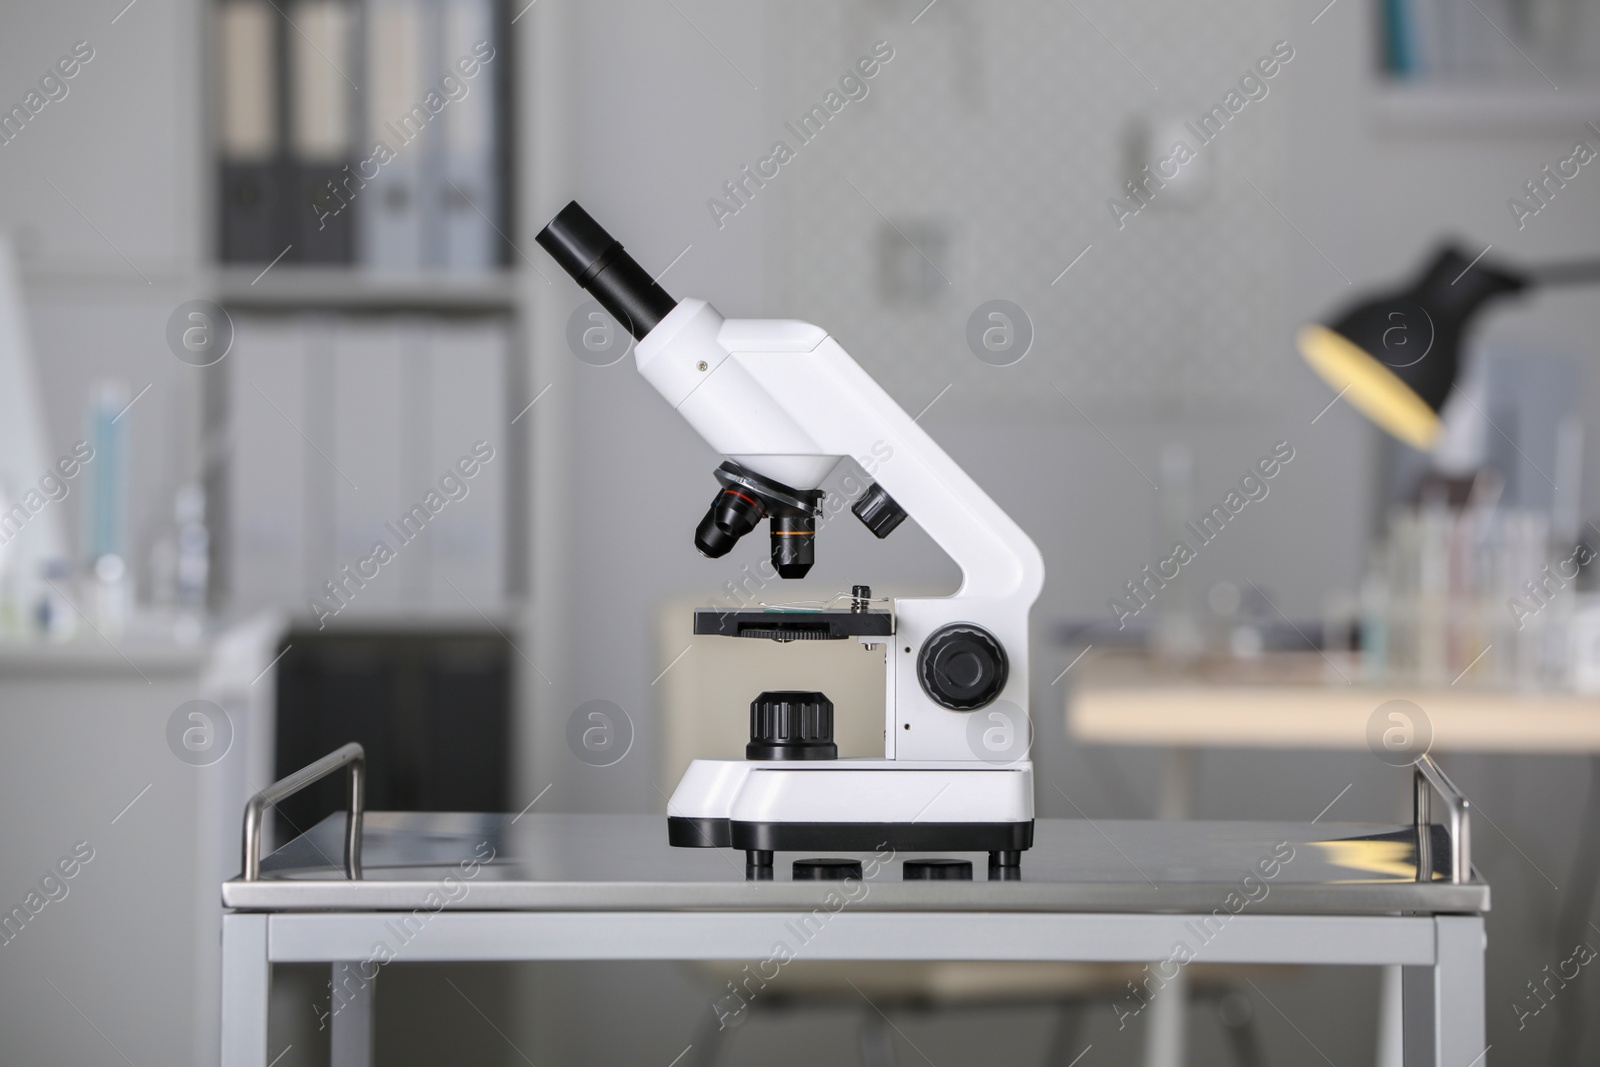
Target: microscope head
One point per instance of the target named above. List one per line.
(598, 263)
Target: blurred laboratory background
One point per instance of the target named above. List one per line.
(269, 298)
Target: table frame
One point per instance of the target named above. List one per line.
(1442, 956)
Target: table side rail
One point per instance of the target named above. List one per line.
(1428, 779)
(351, 755)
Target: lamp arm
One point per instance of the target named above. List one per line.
(1569, 272)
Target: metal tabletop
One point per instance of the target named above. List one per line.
(623, 863)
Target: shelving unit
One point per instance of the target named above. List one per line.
(1467, 108)
(343, 293)
(1492, 67)
(344, 288)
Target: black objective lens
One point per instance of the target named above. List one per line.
(731, 515)
(794, 542)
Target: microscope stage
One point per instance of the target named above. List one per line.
(783, 624)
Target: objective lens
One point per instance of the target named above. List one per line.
(731, 515)
(794, 542)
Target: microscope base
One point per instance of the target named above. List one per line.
(850, 836)
(853, 805)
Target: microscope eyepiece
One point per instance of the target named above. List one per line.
(597, 262)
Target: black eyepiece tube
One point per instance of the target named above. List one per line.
(597, 262)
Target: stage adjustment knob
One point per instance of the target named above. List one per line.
(791, 724)
(962, 667)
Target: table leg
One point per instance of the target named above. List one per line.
(352, 1037)
(1582, 880)
(1169, 1010)
(1179, 768)
(1444, 1008)
(1391, 1019)
(1391, 998)
(1169, 1015)
(246, 984)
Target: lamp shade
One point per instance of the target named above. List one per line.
(1395, 355)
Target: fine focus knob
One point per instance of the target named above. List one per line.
(791, 724)
(962, 667)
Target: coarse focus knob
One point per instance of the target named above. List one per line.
(962, 667)
(791, 724)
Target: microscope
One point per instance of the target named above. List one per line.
(785, 404)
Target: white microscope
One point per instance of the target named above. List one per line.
(785, 404)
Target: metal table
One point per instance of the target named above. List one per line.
(361, 889)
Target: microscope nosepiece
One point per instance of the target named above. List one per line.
(743, 501)
(597, 262)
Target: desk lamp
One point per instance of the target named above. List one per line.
(1395, 353)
